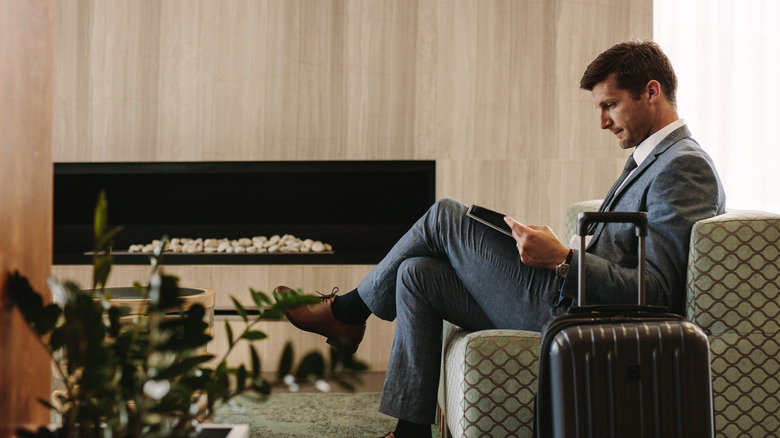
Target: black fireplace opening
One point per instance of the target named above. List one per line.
(361, 208)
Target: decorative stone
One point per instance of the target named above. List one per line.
(286, 243)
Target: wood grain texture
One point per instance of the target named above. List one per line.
(235, 280)
(453, 81)
(26, 78)
(487, 88)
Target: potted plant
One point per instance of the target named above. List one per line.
(150, 377)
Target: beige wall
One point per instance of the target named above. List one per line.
(26, 80)
(487, 88)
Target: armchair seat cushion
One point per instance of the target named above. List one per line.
(490, 380)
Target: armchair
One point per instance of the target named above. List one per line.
(488, 379)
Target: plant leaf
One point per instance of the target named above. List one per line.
(254, 335)
(311, 367)
(285, 362)
(255, 361)
(240, 309)
(100, 219)
(229, 332)
(260, 299)
(241, 378)
(184, 367)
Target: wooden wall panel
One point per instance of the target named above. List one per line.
(487, 88)
(453, 81)
(26, 79)
(235, 280)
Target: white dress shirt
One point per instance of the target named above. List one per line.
(641, 152)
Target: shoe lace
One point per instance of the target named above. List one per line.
(329, 297)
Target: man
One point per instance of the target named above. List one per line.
(449, 267)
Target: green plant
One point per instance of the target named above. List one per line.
(150, 377)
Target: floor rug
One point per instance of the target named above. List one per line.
(339, 415)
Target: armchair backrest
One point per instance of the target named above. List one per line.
(734, 294)
(734, 273)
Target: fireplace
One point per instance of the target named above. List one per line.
(360, 208)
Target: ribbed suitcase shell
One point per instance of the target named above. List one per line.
(623, 371)
(635, 379)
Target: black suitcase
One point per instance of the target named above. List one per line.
(623, 371)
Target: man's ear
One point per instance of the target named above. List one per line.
(653, 89)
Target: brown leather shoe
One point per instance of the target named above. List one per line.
(319, 319)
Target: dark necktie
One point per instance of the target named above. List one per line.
(630, 165)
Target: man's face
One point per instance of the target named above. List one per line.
(627, 118)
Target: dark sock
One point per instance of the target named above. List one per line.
(407, 429)
(350, 308)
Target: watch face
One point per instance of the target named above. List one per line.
(562, 270)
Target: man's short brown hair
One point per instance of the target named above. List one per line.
(634, 64)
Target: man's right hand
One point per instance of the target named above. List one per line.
(538, 245)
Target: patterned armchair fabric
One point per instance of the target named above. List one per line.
(734, 295)
(491, 382)
(489, 377)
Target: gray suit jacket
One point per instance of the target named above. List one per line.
(676, 185)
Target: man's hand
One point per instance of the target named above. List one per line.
(538, 246)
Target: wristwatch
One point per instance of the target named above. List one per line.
(563, 268)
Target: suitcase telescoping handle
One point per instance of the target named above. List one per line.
(639, 219)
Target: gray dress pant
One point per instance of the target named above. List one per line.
(449, 267)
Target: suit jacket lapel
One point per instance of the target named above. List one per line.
(676, 135)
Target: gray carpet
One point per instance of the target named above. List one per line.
(311, 415)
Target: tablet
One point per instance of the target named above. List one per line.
(491, 218)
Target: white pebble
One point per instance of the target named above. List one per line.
(286, 243)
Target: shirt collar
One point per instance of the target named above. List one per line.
(646, 147)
